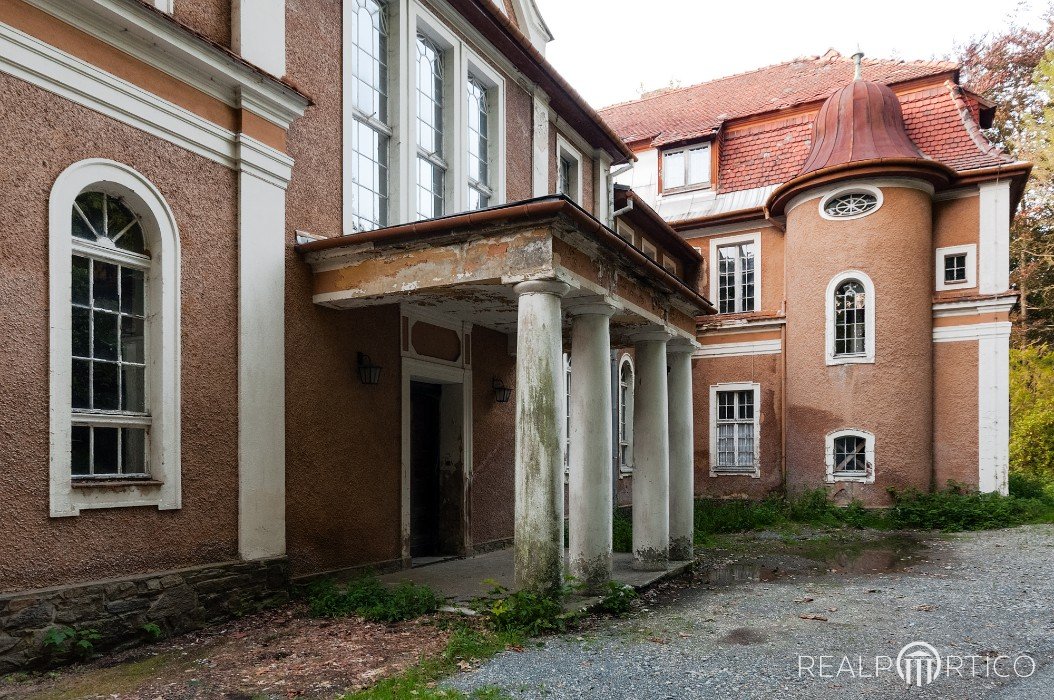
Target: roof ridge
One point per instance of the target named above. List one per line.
(973, 129)
(814, 59)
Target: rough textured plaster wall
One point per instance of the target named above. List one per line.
(955, 222)
(766, 370)
(493, 438)
(955, 413)
(893, 397)
(43, 134)
(209, 17)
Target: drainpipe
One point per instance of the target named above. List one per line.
(624, 210)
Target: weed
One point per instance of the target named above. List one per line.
(618, 600)
(622, 531)
(527, 612)
(151, 630)
(960, 508)
(367, 597)
(79, 643)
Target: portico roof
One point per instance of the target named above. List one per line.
(466, 264)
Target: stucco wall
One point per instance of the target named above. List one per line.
(892, 397)
(766, 370)
(956, 222)
(955, 413)
(44, 134)
(212, 18)
(771, 267)
(493, 438)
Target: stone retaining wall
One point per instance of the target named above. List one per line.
(122, 612)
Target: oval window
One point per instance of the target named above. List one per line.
(850, 204)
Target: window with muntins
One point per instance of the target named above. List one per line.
(850, 204)
(736, 431)
(735, 285)
(431, 168)
(110, 419)
(371, 131)
(686, 167)
(850, 307)
(479, 189)
(955, 268)
(625, 415)
(850, 455)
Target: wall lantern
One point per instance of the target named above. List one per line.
(369, 373)
(502, 393)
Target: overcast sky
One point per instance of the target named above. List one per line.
(608, 48)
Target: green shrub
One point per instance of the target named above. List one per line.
(618, 600)
(1032, 411)
(621, 531)
(1024, 485)
(527, 612)
(367, 597)
(80, 643)
(959, 508)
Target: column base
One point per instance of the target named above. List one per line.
(682, 549)
(651, 560)
(593, 573)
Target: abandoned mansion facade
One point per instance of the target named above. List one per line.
(299, 287)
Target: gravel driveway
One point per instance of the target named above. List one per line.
(738, 629)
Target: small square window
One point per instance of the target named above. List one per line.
(955, 268)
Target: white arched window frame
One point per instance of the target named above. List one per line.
(850, 456)
(868, 355)
(625, 414)
(161, 487)
(856, 192)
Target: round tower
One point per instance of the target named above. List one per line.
(859, 290)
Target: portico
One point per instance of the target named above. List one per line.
(552, 279)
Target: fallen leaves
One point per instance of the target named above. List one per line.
(812, 616)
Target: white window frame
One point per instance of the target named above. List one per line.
(862, 189)
(970, 251)
(688, 186)
(868, 356)
(565, 425)
(625, 415)
(162, 489)
(714, 271)
(715, 470)
(166, 6)
(478, 69)
(564, 150)
(451, 138)
(868, 477)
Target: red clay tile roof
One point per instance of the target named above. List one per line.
(694, 112)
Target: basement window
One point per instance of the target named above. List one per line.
(851, 456)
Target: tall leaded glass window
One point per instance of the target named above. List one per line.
(735, 281)
(850, 307)
(479, 190)
(110, 420)
(371, 131)
(431, 167)
(625, 415)
(736, 431)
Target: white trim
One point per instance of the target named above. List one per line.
(735, 386)
(138, 31)
(957, 193)
(871, 183)
(993, 411)
(869, 320)
(163, 361)
(993, 251)
(540, 146)
(258, 34)
(165, 5)
(855, 189)
(627, 467)
(41, 64)
(713, 272)
(427, 371)
(479, 69)
(973, 307)
(974, 331)
(970, 251)
(756, 347)
(565, 149)
(869, 457)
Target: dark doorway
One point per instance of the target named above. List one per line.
(425, 493)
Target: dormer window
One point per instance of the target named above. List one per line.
(686, 168)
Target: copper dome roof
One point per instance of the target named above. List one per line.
(861, 121)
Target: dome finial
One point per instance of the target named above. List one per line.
(858, 59)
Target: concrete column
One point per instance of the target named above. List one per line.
(682, 462)
(590, 498)
(539, 511)
(651, 453)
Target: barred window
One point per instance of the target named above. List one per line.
(479, 190)
(431, 167)
(110, 420)
(850, 454)
(736, 281)
(850, 304)
(736, 432)
(371, 132)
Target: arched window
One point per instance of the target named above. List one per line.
(850, 319)
(850, 456)
(851, 203)
(114, 262)
(625, 414)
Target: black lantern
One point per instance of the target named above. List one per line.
(502, 393)
(369, 373)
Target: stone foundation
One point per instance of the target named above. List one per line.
(122, 611)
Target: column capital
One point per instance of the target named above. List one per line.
(592, 305)
(650, 334)
(680, 344)
(554, 287)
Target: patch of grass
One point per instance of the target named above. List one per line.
(957, 508)
(367, 597)
(466, 645)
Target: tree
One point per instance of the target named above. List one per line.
(1014, 68)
